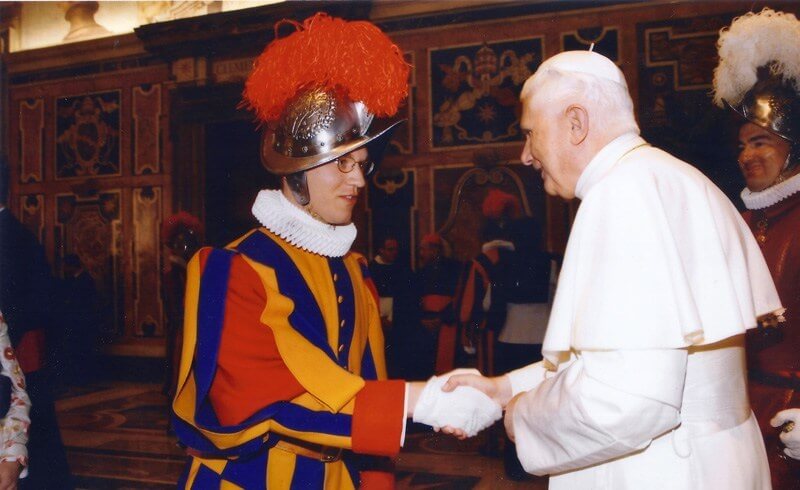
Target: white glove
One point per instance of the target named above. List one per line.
(464, 408)
(790, 439)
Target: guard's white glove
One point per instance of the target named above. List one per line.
(790, 438)
(464, 408)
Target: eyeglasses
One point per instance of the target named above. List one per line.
(346, 165)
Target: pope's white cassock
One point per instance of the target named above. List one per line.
(660, 280)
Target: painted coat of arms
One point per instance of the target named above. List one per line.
(87, 135)
(475, 91)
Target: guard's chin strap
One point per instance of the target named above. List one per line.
(789, 168)
(299, 187)
(298, 184)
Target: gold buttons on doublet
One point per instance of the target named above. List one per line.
(761, 230)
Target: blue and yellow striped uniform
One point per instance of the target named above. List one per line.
(283, 345)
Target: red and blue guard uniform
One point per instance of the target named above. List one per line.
(438, 282)
(471, 313)
(282, 378)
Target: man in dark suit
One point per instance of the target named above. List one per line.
(26, 287)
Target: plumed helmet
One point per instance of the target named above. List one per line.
(317, 90)
(432, 240)
(501, 205)
(758, 75)
(180, 222)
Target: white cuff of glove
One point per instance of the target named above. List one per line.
(464, 408)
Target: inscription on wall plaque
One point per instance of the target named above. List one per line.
(231, 70)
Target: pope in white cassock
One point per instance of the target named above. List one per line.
(643, 385)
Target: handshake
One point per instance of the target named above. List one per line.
(461, 402)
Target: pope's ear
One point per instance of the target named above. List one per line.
(578, 121)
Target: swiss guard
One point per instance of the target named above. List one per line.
(282, 382)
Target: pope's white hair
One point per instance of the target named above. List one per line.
(752, 41)
(609, 104)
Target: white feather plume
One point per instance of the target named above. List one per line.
(751, 41)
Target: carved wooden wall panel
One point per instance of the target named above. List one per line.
(31, 144)
(148, 308)
(146, 135)
(87, 135)
(91, 228)
(98, 142)
(475, 91)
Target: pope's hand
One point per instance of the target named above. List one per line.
(790, 437)
(498, 389)
(463, 411)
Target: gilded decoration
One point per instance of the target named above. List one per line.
(146, 115)
(31, 125)
(475, 91)
(87, 135)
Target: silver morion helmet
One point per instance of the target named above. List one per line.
(316, 127)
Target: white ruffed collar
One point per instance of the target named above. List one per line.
(771, 195)
(278, 215)
(604, 161)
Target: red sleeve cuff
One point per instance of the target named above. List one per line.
(378, 418)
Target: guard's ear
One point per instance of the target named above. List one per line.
(578, 120)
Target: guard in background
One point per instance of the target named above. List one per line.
(437, 280)
(506, 298)
(758, 78)
(182, 235)
(282, 382)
